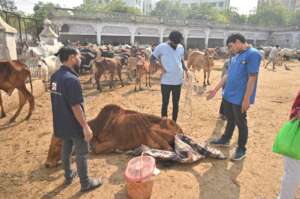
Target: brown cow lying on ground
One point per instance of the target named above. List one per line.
(13, 75)
(120, 129)
(107, 64)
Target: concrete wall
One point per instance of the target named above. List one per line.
(195, 35)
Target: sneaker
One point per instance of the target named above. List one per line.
(69, 180)
(239, 155)
(93, 184)
(220, 142)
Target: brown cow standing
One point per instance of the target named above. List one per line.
(107, 64)
(115, 128)
(198, 60)
(142, 68)
(13, 75)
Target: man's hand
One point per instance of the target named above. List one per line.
(187, 74)
(88, 133)
(245, 105)
(297, 116)
(211, 94)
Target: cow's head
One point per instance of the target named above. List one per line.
(210, 52)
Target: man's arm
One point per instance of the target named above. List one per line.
(80, 117)
(153, 60)
(253, 63)
(183, 65)
(249, 90)
(213, 92)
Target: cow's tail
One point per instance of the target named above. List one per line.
(30, 81)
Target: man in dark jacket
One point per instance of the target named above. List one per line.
(69, 120)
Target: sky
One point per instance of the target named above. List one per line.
(243, 6)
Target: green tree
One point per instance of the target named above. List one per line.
(295, 19)
(90, 6)
(41, 11)
(232, 16)
(8, 5)
(270, 15)
(169, 8)
(107, 7)
(202, 11)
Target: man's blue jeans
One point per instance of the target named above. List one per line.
(81, 151)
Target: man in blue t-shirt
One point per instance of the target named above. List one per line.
(171, 56)
(69, 122)
(239, 91)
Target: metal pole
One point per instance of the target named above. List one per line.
(6, 17)
(25, 29)
(20, 28)
(37, 30)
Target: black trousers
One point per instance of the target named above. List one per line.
(222, 109)
(166, 91)
(235, 118)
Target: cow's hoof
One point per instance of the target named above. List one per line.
(52, 164)
(3, 115)
(12, 120)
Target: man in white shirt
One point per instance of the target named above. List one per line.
(171, 56)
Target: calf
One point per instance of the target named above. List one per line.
(142, 68)
(198, 60)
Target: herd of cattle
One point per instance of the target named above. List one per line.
(99, 61)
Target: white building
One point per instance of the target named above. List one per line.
(222, 4)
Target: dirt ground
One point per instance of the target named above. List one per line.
(24, 145)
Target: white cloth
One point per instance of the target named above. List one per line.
(291, 179)
(171, 62)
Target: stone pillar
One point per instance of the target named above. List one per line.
(161, 38)
(132, 35)
(225, 38)
(206, 37)
(185, 38)
(99, 35)
(132, 38)
(294, 40)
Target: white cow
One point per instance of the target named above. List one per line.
(41, 59)
(47, 67)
